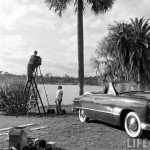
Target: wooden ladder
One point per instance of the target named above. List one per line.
(31, 88)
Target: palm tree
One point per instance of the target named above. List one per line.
(106, 61)
(129, 44)
(120, 44)
(141, 50)
(97, 6)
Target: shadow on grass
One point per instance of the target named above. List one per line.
(58, 148)
(68, 113)
(71, 113)
(107, 124)
(145, 135)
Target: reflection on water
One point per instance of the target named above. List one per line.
(70, 91)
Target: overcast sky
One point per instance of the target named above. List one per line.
(28, 25)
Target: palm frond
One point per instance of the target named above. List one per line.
(58, 5)
(140, 23)
(100, 6)
(147, 31)
(145, 25)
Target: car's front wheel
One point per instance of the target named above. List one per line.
(132, 125)
(82, 116)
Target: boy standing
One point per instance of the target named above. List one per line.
(59, 95)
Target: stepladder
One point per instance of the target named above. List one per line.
(33, 98)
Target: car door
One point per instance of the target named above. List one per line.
(100, 106)
(106, 107)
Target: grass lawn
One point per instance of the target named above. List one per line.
(68, 132)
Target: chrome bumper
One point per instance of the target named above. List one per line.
(145, 126)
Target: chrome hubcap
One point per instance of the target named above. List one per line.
(132, 124)
(82, 114)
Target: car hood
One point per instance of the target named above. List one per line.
(130, 95)
(142, 95)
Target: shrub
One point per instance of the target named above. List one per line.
(11, 96)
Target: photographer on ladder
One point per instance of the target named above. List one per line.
(34, 62)
(31, 84)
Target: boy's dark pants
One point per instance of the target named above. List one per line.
(58, 106)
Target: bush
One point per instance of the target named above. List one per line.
(11, 96)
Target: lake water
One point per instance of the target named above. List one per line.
(70, 92)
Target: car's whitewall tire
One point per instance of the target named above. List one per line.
(132, 125)
(82, 116)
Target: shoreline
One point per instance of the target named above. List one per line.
(57, 83)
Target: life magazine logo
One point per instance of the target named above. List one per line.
(137, 144)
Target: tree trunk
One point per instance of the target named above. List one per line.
(139, 79)
(80, 47)
(139, 76)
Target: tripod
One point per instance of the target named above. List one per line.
(31, 89)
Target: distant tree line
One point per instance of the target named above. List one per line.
(49, 79)
(66, 79)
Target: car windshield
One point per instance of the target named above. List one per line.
(122, 87)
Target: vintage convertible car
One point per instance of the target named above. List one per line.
(122, 105)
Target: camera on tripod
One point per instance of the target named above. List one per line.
(37, 61)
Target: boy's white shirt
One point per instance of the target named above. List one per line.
(59, 94)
